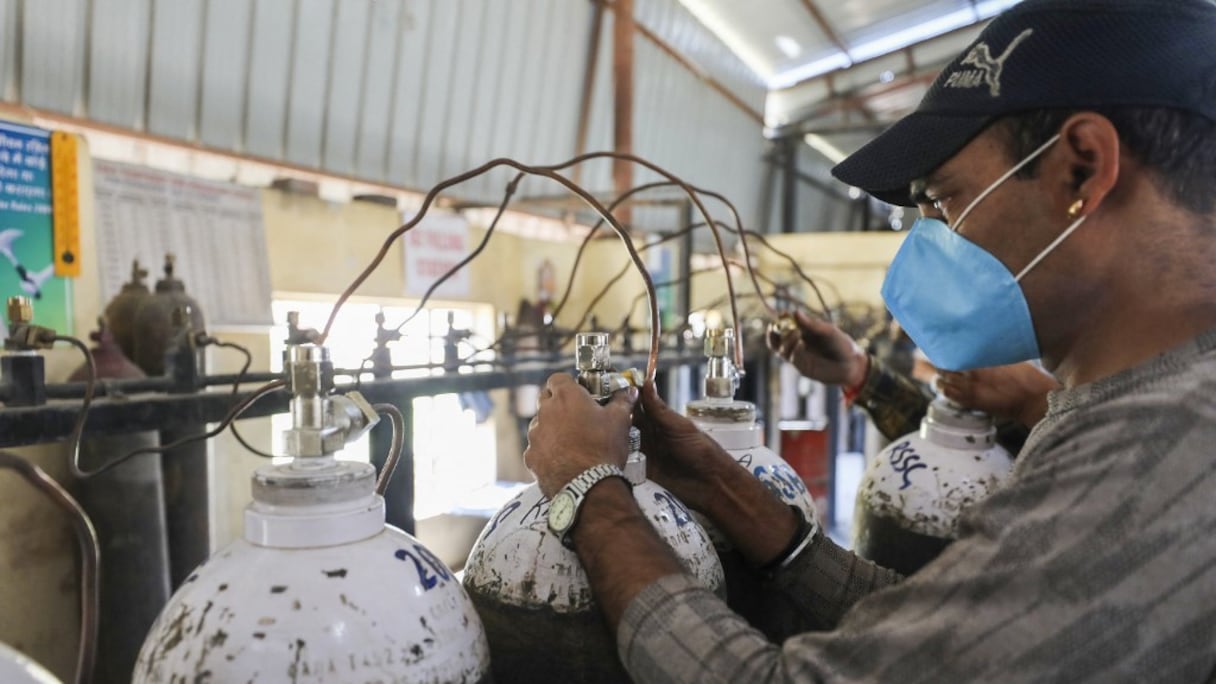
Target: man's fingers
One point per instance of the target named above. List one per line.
(806, 322)
(651, 402)
(773, 338)
(956, 387)
(622, 401)
(955, 382)
(954, 377)
(790, 346)
(556, 383)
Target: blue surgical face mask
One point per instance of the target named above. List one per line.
(958, 302)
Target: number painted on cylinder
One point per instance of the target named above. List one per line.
(431, 570)
(502, 515)
(678, 512)
(782, 481)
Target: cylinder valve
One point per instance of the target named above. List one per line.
(593, 359)
(721, 374)
(321, 423)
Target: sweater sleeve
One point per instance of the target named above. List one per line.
(677, 631)
(821, 585)
(896, 403)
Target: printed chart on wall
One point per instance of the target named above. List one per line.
(27, 265)
(214, 230)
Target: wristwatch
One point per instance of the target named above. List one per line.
(563, 508)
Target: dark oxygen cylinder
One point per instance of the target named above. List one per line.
(128, 508)
(914, 491)
(154, 328)
(733, 425)
(184, 468)
(120, 312)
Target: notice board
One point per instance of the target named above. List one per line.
(214, 229)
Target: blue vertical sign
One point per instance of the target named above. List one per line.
(27, 263)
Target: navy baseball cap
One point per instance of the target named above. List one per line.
(1048, 54)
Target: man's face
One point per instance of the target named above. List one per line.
(1013, 223)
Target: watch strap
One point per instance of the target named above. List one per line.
(581, 484)
(590, 477)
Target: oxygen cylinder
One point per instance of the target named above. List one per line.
(154, 326)
(127, 505)
(732, 424)
(18, 668)
(319, 589)
(163, 319)
(121, 311)
(914, 490)
(531, 591)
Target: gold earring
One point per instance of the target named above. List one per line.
(1074, 210)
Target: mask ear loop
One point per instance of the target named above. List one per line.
(1017, 167)
(1050, 248)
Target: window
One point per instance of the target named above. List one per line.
(453, 454)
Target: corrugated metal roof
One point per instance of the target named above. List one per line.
(10, 45)
(54, 42)
(681, 29)
(401, 92)
(844, 70)
(174, 73)
(222, 67)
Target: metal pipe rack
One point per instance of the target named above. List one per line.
(122, 412)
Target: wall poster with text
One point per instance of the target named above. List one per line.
(27, 264)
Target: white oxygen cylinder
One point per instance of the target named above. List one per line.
(18, 668)
(531, 591)
(914, 491)
(319, 589)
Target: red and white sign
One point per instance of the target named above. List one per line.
(432, 249)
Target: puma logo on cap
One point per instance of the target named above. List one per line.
(987, 69)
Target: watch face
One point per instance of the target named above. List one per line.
(561, 512)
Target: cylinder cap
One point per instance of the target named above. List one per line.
(945, 412)
(301, 483)
(307, 353)
(721, 411)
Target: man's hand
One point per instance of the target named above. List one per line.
(820, 351)
(691, 465)
(572, 432)
(1015, 392)
(680, 457)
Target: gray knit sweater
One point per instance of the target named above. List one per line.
(1095, 563)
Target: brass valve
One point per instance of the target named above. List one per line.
(23, 335)
(784, 325)
(20, 310)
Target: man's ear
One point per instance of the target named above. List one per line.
(1089, 152)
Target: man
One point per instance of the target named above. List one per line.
(1069, 158)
